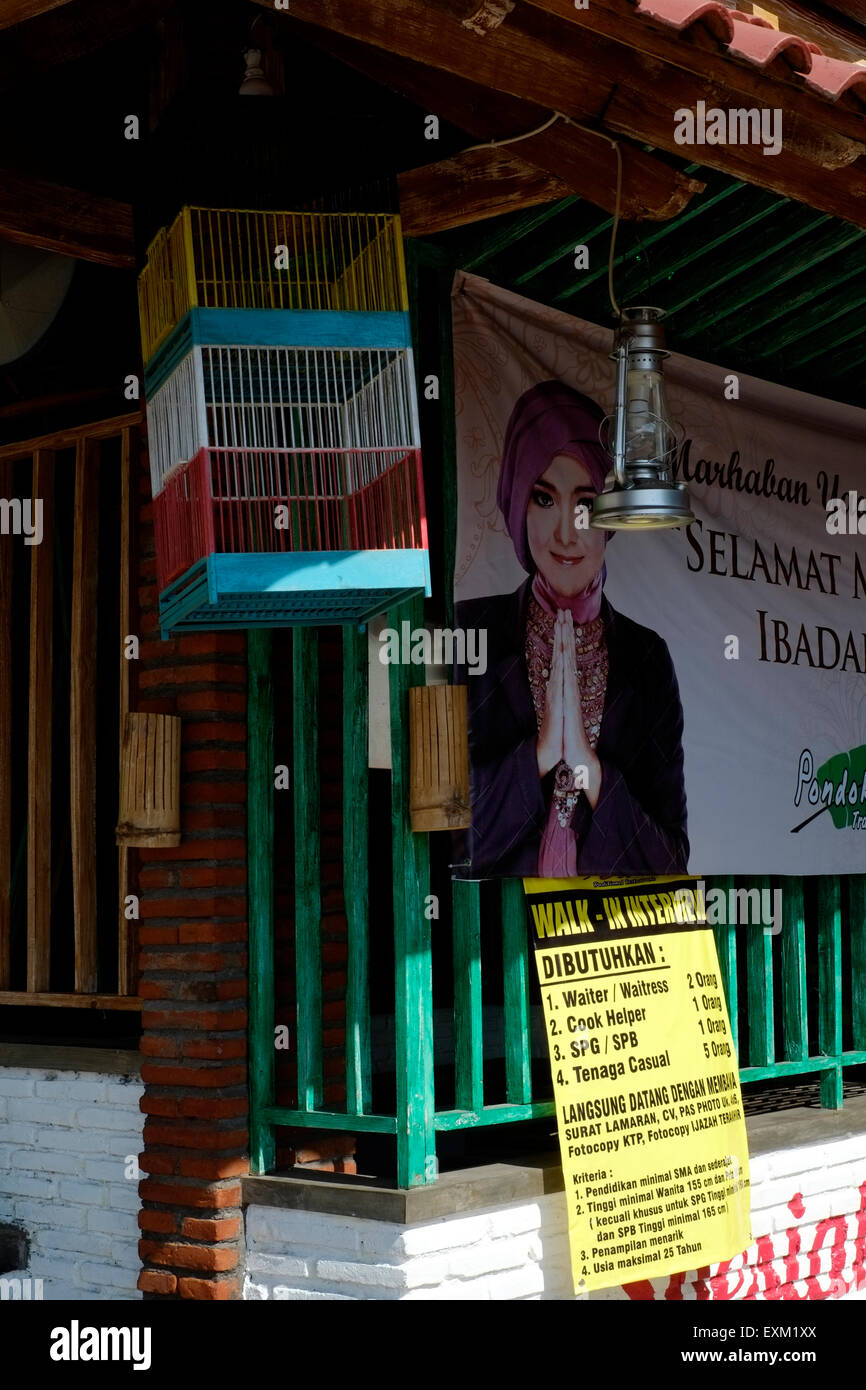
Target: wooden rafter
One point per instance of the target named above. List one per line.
(839, 29)
(501, 62)
(17, 11)
(651, 190)
(469, 187)
(34, 212)
(534, 53)
(836, 35)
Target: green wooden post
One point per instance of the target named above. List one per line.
(515, 965)
(413, 1003)
(308, 892)
(857, 935)
(260, 891)
(355, 872)
(726, 948)
(795, 1023)
(468, 1027)
(759, 987)
(830, 988)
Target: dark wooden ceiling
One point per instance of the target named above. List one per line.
(751, 279)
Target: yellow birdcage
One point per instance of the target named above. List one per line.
(213, 258)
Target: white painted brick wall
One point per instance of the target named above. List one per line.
(513, 1252)
(521, 1251)
(64, 1137)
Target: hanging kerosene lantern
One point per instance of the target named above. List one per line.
(639, 491)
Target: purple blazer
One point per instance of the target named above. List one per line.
(639, 822)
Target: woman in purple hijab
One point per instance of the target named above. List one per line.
(575, 727)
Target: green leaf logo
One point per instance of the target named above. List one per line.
(833, 770)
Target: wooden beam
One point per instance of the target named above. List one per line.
(595, 78)
(503, 61)
(470, 187)
(648, 108)
(82, 714)
(68, 439)
(853, 10)
(6, 667)
(547, 49)
(702, 55)
(651, 190)
(35, 212)
(46, 1000)
(39, 734)
(837, 35)
(17, 11)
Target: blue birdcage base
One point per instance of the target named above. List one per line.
(307, 329)
(302, 589)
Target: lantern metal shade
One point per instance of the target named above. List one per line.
(642, 508)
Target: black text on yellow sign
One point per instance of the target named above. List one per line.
(646, 1084)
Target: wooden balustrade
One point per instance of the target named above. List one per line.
(63, 608)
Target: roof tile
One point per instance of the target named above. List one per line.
(766, 46)
(832, 77)
(753, 40)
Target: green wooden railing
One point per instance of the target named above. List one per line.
(797, 999)
(777, 981)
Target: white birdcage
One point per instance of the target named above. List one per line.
(272, 399)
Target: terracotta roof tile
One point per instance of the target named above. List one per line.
(833, 77)
(755, 41)
(765, 46)
(682, 14)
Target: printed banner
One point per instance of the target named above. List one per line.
(646, 1086)
(666, 701)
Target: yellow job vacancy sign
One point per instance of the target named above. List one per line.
(646, 1085)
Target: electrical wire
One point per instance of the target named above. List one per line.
(616, 309)
(589, 130)
(513, 139)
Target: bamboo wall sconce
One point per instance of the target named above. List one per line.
(150, 780)
(439, 758)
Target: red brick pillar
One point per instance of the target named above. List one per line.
(193, 967)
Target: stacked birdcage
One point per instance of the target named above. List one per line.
(282, 419)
